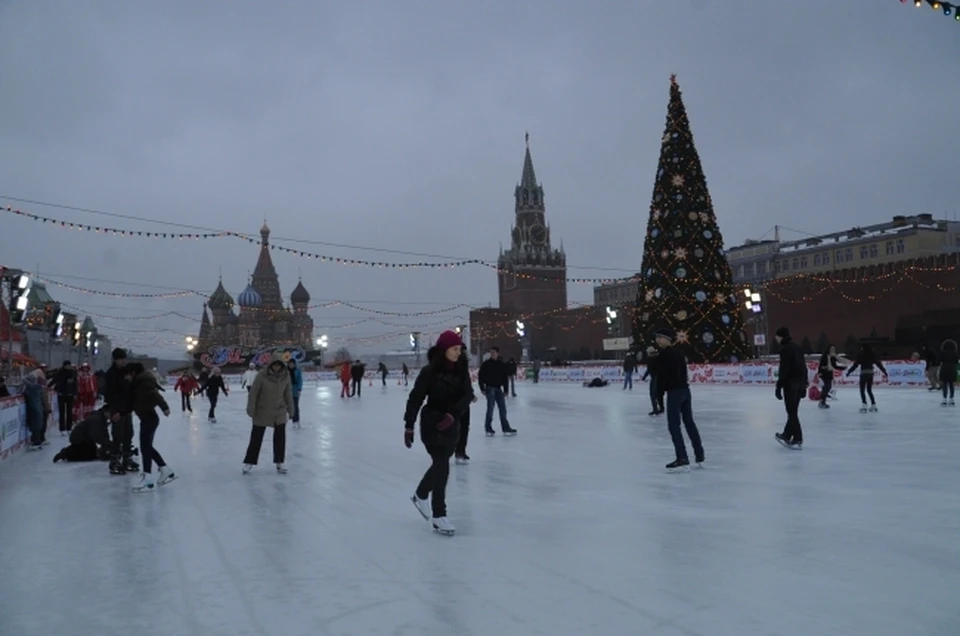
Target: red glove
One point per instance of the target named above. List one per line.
(445, 423)
(408, 437)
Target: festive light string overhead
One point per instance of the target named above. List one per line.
(946, 8)
(323, 258)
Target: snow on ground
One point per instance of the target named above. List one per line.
(571, 528)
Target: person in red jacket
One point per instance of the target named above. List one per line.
(186, 384)
(345, 379)
(86, 393)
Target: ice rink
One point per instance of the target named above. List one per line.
(571, 528)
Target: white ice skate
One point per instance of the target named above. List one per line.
(422, 506)
(443, 526)
(863, 409)
(166, 476)
(943, 403)
(146, 483)
(281, 469)
(247, 468)
(873, 408)
(462, 460)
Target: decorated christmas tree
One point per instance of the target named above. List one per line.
(686, 282)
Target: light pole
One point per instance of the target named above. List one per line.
(754, 303)
(191, 345)
(415, 345)
(322, 344)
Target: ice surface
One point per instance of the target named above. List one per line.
(571, 528)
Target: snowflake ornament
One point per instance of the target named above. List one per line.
(720, 298)
(656, 214)
(704, 217)
(664, 254)
(666, 138)
(682, 336)
(649, 295)
(680, 253)
(677, 180)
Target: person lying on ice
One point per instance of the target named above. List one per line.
(89, 439)
(595, 383)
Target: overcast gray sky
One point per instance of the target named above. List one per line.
(400, 125)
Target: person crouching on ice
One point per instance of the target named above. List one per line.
(89, 439)
(269, 405)
(446, 388)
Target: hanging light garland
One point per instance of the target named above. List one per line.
(323, 258)
(946, 8)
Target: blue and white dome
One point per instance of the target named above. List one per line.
(249, 297)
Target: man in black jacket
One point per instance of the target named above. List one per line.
(491, 378)
(65, 384)
(672, 379)
(791, 387)
(118, 401)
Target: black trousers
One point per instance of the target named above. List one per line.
(680, 410)
(461, 450)
(947, 387)
(185, 402)
(656, 395)
(80, 452)
(355, 387)
(296, 408)
(148, 429)
(792, 396)
(827, 387)
(213, 405)
(65, 403)
(434, 482)
(866, 388)
(122, 433)
(256, 442)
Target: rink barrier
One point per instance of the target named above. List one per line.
(14, 436)
(905, 373)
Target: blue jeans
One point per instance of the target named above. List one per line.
(495, 396)
(628, 380)
(680, 409)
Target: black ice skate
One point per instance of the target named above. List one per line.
(116, 467)
(509, 431)
(789, 443)
(462, 459)
(491, 432)
(679, 466)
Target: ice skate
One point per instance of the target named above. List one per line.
(679, 466)
(146, 483)
(36, 447)
(943, 403)
(951, 403)
(509, 431)
(699, 463)
(116, 468)
(443, 526)
(491, 432)
(247, 468)
(788, 443)
(873, 408)
(863, 409)
(166, 476)
(823, 405)
(281, 469)
(45, 442)
(462, 460)
(212, 420)
(422, 506)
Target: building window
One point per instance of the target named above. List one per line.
(739, 271)
(839, 256)
(848, 254)
(874, 250)
(816, 260)
(863, 252)
(762, 266)
(826, 258)
(889, 248)
(784, 265)
(748, 269)
(803, 262)
(901, 246)
(776, 267)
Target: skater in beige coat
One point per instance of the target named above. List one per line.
(269, 405)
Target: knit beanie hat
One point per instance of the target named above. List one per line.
(449, 339)
(119, 354)
(665, 332)
(783, 332)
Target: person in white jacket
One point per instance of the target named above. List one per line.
(248, 377)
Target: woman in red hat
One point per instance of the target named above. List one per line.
(446, 388)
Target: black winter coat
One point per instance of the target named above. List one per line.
(793, 366)
(492, 373)
(116, 391)
(948, 366)
(446, 389)
(64, 382)
(671, 370)
(93, 428)
(214, 386)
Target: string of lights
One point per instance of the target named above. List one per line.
(323, 258)
(946, 8)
